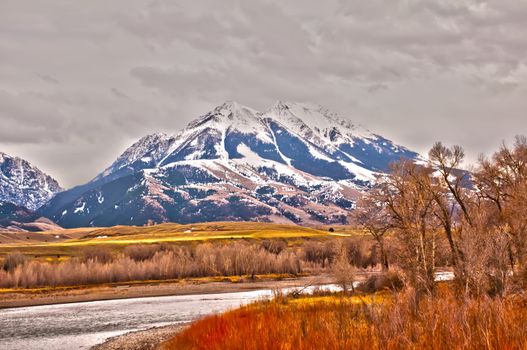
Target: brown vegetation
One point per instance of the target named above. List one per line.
(140, 262)
(480, 215)
(13, 260)
(401, 322)
(156, 262)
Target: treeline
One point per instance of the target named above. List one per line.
(481, 215)
(140, 263)
(162, 261)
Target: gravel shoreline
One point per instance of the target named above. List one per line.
(150, 339)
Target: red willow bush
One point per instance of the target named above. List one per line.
(401, 323)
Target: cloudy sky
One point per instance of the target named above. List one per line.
(81, 80)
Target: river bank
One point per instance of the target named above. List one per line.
(83, 325)
(150, 339)
(24, 298)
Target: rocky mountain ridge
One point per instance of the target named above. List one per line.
(294, 163)
(23, 184)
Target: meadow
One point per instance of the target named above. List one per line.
(72, 242)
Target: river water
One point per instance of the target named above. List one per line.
(82, 325)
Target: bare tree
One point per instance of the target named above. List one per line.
(403, 200)
(450, 188)
(502, 182)
(372, 214)
(343, 270)
(482, 215)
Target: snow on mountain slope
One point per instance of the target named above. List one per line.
(145, 153)
(311, 120)
(337, 137)
(213, 135)
(23, 184)
(292, 163)
(231, 117)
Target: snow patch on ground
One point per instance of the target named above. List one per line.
(360, 172)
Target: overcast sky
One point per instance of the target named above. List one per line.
(81, 80)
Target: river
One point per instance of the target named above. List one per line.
(83, 325)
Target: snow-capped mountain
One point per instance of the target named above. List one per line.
(23, 184)
(292, 163)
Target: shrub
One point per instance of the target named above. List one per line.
(275, 246)
(13, 260)
(141, 252)
(100, 254)
(390, 280)
(322, 253)
(98, 266)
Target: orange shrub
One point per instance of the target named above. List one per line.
(403, 323)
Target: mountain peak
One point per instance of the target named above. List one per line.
(229, 115)
(231, 105)
(234, 110)
(147, 151)
(23, 184)
(4, 157)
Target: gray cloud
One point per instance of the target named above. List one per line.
(78, 83)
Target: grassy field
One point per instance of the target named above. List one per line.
(71, 242)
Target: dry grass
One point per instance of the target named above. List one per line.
(182, 281)
(346, 323)
(71, 242)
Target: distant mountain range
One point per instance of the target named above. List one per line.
(23, 189)
(294, 163)
(23, 184)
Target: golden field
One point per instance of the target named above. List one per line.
(70, 242)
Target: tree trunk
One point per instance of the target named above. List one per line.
(384, 257)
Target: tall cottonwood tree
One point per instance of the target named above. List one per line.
(401, 199)
(372, 214)
(481, 214)
(454, 200)
(501, 182)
